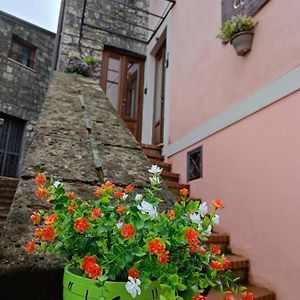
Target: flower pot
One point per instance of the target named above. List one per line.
(77, 287)
(242, 42)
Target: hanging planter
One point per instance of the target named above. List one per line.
(239, 31)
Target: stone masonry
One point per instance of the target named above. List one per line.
(79, 33)
(81, 141)
(22, 90)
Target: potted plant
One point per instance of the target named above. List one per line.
(120, 245)
(239, 31)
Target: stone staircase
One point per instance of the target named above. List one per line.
(239, 264)
(8, 188)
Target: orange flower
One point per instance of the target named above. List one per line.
(216, 249)
(217, 203)
(30, 247)
(184, 192)
(40, 179)
(228, 297)
(215, 265)
(128, 231)
(129, 188)
(90, 267)
(226, 263)
(48, 234)
(171, 214)
(41, 192)
(192, 236)
(38, 233)
(96, 213)
(248, 296)
(156, 247)
(119, 194)
(51, 219)
(163, 258)
(199, 297)
(120, 210)
(71, 195)
(81, 225)
(71, 209)
(35, 218)
(98, 192)
(108, 186)
(202, 250)
(133, 272)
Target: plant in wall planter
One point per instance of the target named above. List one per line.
(120, 245)
(239, 31)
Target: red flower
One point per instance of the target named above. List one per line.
(71, 209)
(226, 263)
(248, 296)
(129, 188)
(119, 194)
(192, 236)
(215, 265)
(48, 234)
(156, 247)
(108, 186)
(217, 203)
(202, 250)
(35, 218)
(71, 195)
(228, 297)
(38, 233)
(90, 267)
(184, 192)
(128, 231)
(121, 210)
(171, 214)
(40, 179)
(216, 249)
(41, 192)
(96, 213)
(30, 247)
(133, 272)
(51, 219)
(199, 297)
(164, 257)
(98, 192)
(81, 225)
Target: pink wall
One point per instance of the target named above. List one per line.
(254, 167)
(208, 77)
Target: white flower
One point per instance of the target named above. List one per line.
(124, 197)
(132, 287)
(146, 207)
(56, 183)
(120, 224)
(203, 209)
(138, 197)
(216, 220)
(207, 231)
(155, 180)
(155, 169)
(195, 218)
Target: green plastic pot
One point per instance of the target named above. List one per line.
(77, 287)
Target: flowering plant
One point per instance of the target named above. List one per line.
(84, 66)
(121, 235)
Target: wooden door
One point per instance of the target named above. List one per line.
(122, 81)
(159, 96)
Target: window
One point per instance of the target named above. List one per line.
(194, 164)
(22, 52)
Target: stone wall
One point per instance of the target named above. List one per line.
(22, 90)
(80, 34)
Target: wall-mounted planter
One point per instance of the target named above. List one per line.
(242, 42)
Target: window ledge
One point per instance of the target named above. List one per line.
(21, 65)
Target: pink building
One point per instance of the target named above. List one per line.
(244, 113)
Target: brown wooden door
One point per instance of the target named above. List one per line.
(122, 81)
(159, 96)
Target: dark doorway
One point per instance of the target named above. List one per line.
(11, 136)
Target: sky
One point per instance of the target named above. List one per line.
(43, 13)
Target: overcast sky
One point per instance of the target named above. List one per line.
(43, 13)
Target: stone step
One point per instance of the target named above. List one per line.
(220, 239)
(7, 181)
(169, 176)
(239, 267)
(3, 216)
(259, 293)
(153, 147)
(163, 165)
(4, 209)
(174, 187)
(153, 154)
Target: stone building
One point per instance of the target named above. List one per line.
(25, 66)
